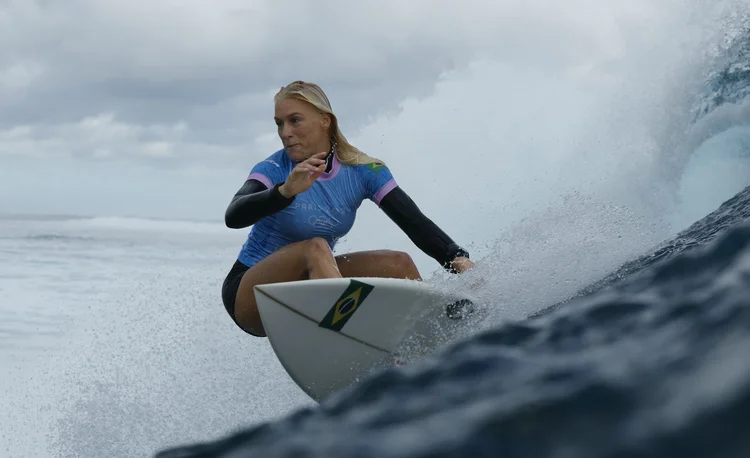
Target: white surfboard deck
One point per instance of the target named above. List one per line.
(329, 333)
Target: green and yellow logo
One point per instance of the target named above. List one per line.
(376, 166)
(346, 305)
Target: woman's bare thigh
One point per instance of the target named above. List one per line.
(289, 263)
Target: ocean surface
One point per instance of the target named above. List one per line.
(628, 340)
(112, 334)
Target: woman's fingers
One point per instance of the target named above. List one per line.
(317, 158)
(311, 169)
(307, 171)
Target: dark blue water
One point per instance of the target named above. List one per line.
(649, 361)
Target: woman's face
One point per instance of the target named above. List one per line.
(302, 129)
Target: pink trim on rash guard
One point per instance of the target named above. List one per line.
(388, 187)
(262, 178)
(334, 170)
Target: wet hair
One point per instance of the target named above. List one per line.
(311, 93)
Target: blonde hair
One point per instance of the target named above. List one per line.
(311, 93)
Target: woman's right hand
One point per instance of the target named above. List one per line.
(304, 175)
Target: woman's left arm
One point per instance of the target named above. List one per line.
(425, 234)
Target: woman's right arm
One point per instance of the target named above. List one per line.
(253, 202)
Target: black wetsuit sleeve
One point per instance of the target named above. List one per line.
(254, 202)
(425, 234)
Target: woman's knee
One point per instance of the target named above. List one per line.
(318, 244)
(317, 248)
(401, 264)
(403, 257)
(402, 260)
(391, 256)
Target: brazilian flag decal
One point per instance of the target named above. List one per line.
(375, 166)
(346, 305)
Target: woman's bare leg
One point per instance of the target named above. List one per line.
(378, 263)
(297, 261)
(309, 260)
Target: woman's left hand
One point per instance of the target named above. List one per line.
(462, 264)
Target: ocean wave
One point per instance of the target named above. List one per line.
(653, 365)
(646, 361)
(64, 224)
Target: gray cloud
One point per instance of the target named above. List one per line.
(146, 79)
(151, 63)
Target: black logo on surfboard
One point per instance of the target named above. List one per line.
(346, 305)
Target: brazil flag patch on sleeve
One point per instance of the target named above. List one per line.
(346, 305)
(376, 166)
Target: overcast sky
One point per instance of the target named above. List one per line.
(481, 108)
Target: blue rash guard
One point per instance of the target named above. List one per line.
(327, 209)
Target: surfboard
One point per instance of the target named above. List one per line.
(330, 333)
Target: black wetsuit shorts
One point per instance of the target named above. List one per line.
(231, 285)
